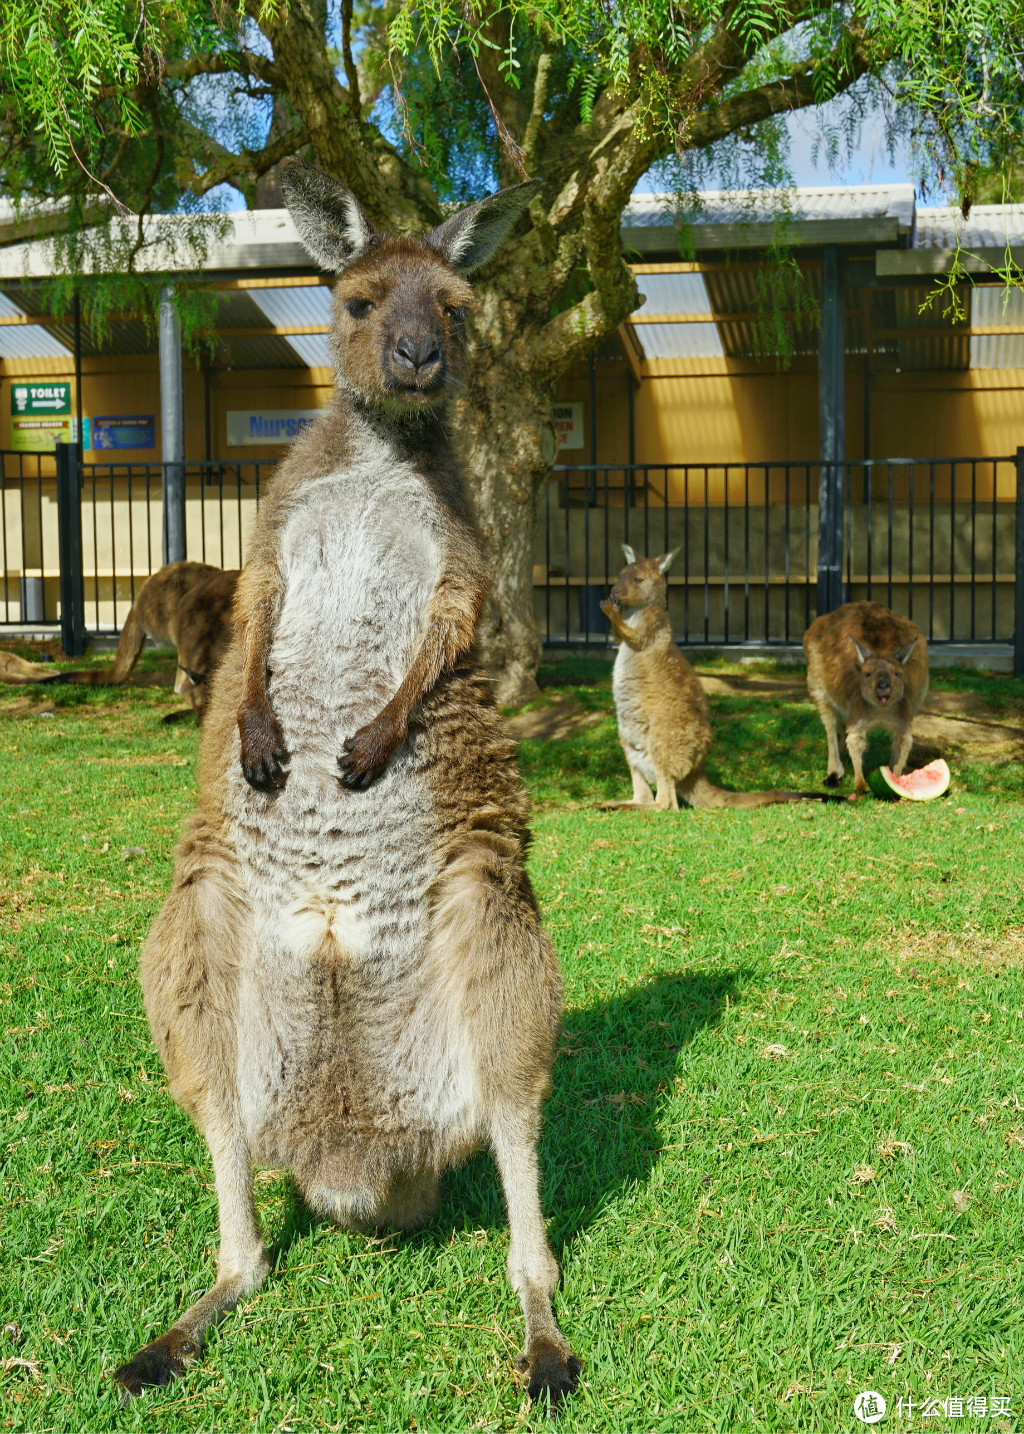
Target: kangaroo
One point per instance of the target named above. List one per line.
(354, 982)
(866, 667)
(188, 604)
(662, 712)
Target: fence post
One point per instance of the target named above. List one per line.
(69, 542)
(1018, 571)
(831, 432)
(172, 422)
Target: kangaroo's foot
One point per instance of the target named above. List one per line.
(157, 1364)
(367, 752)
(263, 749)
(833, 779)
(553, 1371)
(624, 805)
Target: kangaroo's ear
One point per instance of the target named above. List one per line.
(469, 238)
(904, 652)
(665, 561)
(628, 553)
(329, 218)
(863, 653)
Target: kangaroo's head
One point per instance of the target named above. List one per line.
(400, 304)
(642, 581)
(882, 682)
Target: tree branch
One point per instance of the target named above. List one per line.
(248, 164)
(393, 193)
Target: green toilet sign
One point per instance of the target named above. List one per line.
(40, 416)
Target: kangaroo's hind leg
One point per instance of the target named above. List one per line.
(187, 969)
(487, 930)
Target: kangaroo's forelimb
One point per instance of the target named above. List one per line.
(264, 754)
(451, 618)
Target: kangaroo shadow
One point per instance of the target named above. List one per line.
(602, 1122)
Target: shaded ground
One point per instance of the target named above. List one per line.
(955, 722)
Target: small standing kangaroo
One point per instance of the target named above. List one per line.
(189, 604)
(866, 667)
(662, 712)
(354, 983)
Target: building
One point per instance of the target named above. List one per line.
(686, 429)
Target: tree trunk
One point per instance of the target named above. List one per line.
(508, 444)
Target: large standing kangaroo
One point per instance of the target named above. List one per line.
(354, 983)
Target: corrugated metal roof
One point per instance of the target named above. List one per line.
(313, 349)
(992, 304)
(680, 340)
(990, 226)
(23, 341)
(766, 206)
(299, 305)
(673, 294)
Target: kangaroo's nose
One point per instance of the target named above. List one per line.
(416, 353)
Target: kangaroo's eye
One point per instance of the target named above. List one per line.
(454, 311)
(358, 308)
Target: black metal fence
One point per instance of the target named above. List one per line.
(940, 540)
(118, 511)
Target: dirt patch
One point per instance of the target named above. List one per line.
(966, 948)
(780, 687)
(562, 717)
(961, 722)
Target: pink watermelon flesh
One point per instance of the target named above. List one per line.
(922, 785)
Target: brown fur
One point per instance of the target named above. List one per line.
(187, 604)
(664, 721)
(298, 1020)
(867, 667)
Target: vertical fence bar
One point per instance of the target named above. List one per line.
(952, 553)
(974, 554)
(931, 552)
(1018, 571)
(69, 537)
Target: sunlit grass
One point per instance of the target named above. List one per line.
(782, 1155)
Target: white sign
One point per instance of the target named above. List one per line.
(568, 421)
(268, 425)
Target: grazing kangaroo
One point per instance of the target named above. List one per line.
(662, 712)
(355, 983)
(866, 667)
(188, 604)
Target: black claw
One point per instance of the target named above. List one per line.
(155, 1366)
(832, 780)
(268, 776)
(553, 1379)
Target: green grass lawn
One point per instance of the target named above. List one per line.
(783, 1156)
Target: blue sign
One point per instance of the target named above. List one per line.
(134, 430)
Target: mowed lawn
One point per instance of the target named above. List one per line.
(783, 1157)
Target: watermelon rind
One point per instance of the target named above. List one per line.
(884, 784)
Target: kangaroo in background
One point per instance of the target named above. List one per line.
(353, 983)
(188, 604)
(662, 711)
(866, 667)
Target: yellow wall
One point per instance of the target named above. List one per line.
(735, 411)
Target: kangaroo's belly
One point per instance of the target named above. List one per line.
(347, 1061)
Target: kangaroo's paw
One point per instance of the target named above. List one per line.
(263, 750)
(553, 1372)
(833, 779)
(367, 752)
(156, 1364)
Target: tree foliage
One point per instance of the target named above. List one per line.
(115, 110)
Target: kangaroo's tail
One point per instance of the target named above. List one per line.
(697, 791)
(129, 645)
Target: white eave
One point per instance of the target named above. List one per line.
(754, 218)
